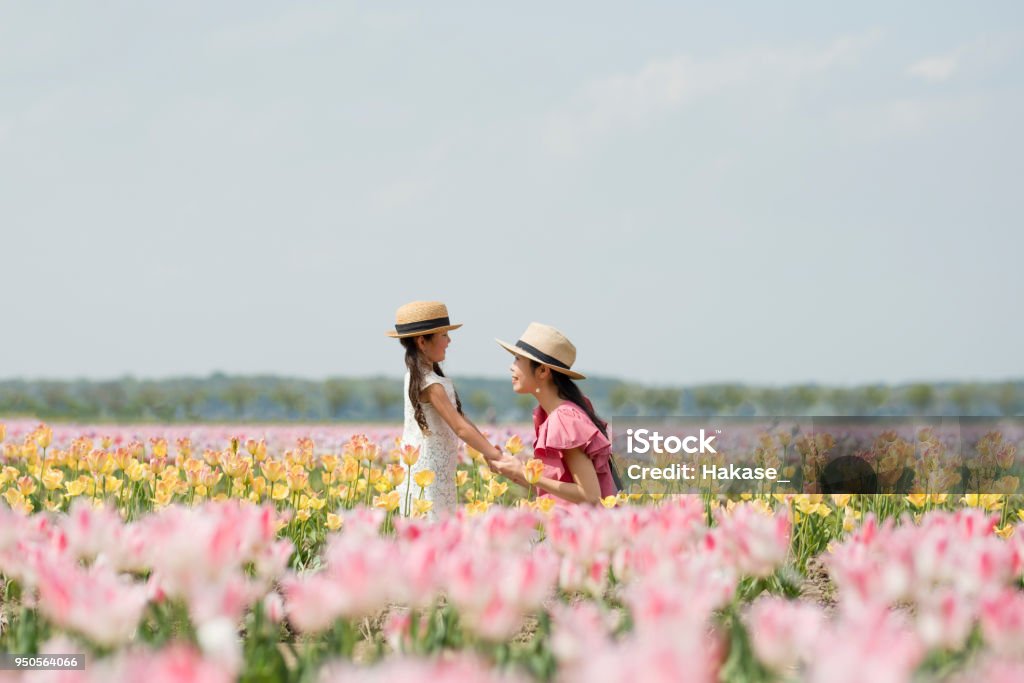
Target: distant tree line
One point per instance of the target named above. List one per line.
(269, 398)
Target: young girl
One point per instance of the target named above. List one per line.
(571, 440)
(433, 413)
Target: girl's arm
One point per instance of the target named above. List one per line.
(473, 425)
(584, 488)
(463, 428)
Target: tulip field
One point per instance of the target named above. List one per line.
(280, 553)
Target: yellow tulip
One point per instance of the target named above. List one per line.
(397, 474)
(43, 436)
(420, 507)
(545, 504)
(18, 502)
(850, 519)
(75, 488)
(841, 499)
(609, 501)
(14, 497)
(3, 432)
(410, 454)
(1004, 531)
(349, 469)
(26, 486)
(496, 489)
(135, 470)
(988, 501)
(918, 500)
(274, 471)
(389, 501)
(162, 497)
(280, 491)
(460, 478)
(159, 447)
(298, 479)
(477, 507)
(1006, 485)
(52, 479)
(334, 521)
(259, 486)
(302, 515)
(424, 478)
(514, 444)
(533, 470)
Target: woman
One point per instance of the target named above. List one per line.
(433, 412)
(571, 440)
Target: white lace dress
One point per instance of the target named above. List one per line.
(439, 450)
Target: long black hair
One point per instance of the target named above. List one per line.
(568, 391)
(412, 362)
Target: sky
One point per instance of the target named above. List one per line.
(692, 192)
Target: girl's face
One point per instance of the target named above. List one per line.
(525, 380)
(433, 346)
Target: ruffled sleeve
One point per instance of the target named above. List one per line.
(565, 428)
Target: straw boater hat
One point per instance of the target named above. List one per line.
(547, 346)
(421, 317)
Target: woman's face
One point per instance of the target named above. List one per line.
(433, 346)
(524, 378)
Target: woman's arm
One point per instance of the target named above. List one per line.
(584, 488)
(463, 428)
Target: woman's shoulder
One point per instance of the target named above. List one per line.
(564, 413)
(567, 427)
(569, 411)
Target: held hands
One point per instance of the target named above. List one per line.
(508, 466)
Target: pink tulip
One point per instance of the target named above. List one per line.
(459, 668)
(755, 542)
(577, 631)
(1002, 622)
(273, 607)
(95, 602)
(783, 632)
(873, 644)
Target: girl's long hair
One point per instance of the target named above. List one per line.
(568, 391)
(412, 362)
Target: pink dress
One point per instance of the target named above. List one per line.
(565, 428)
